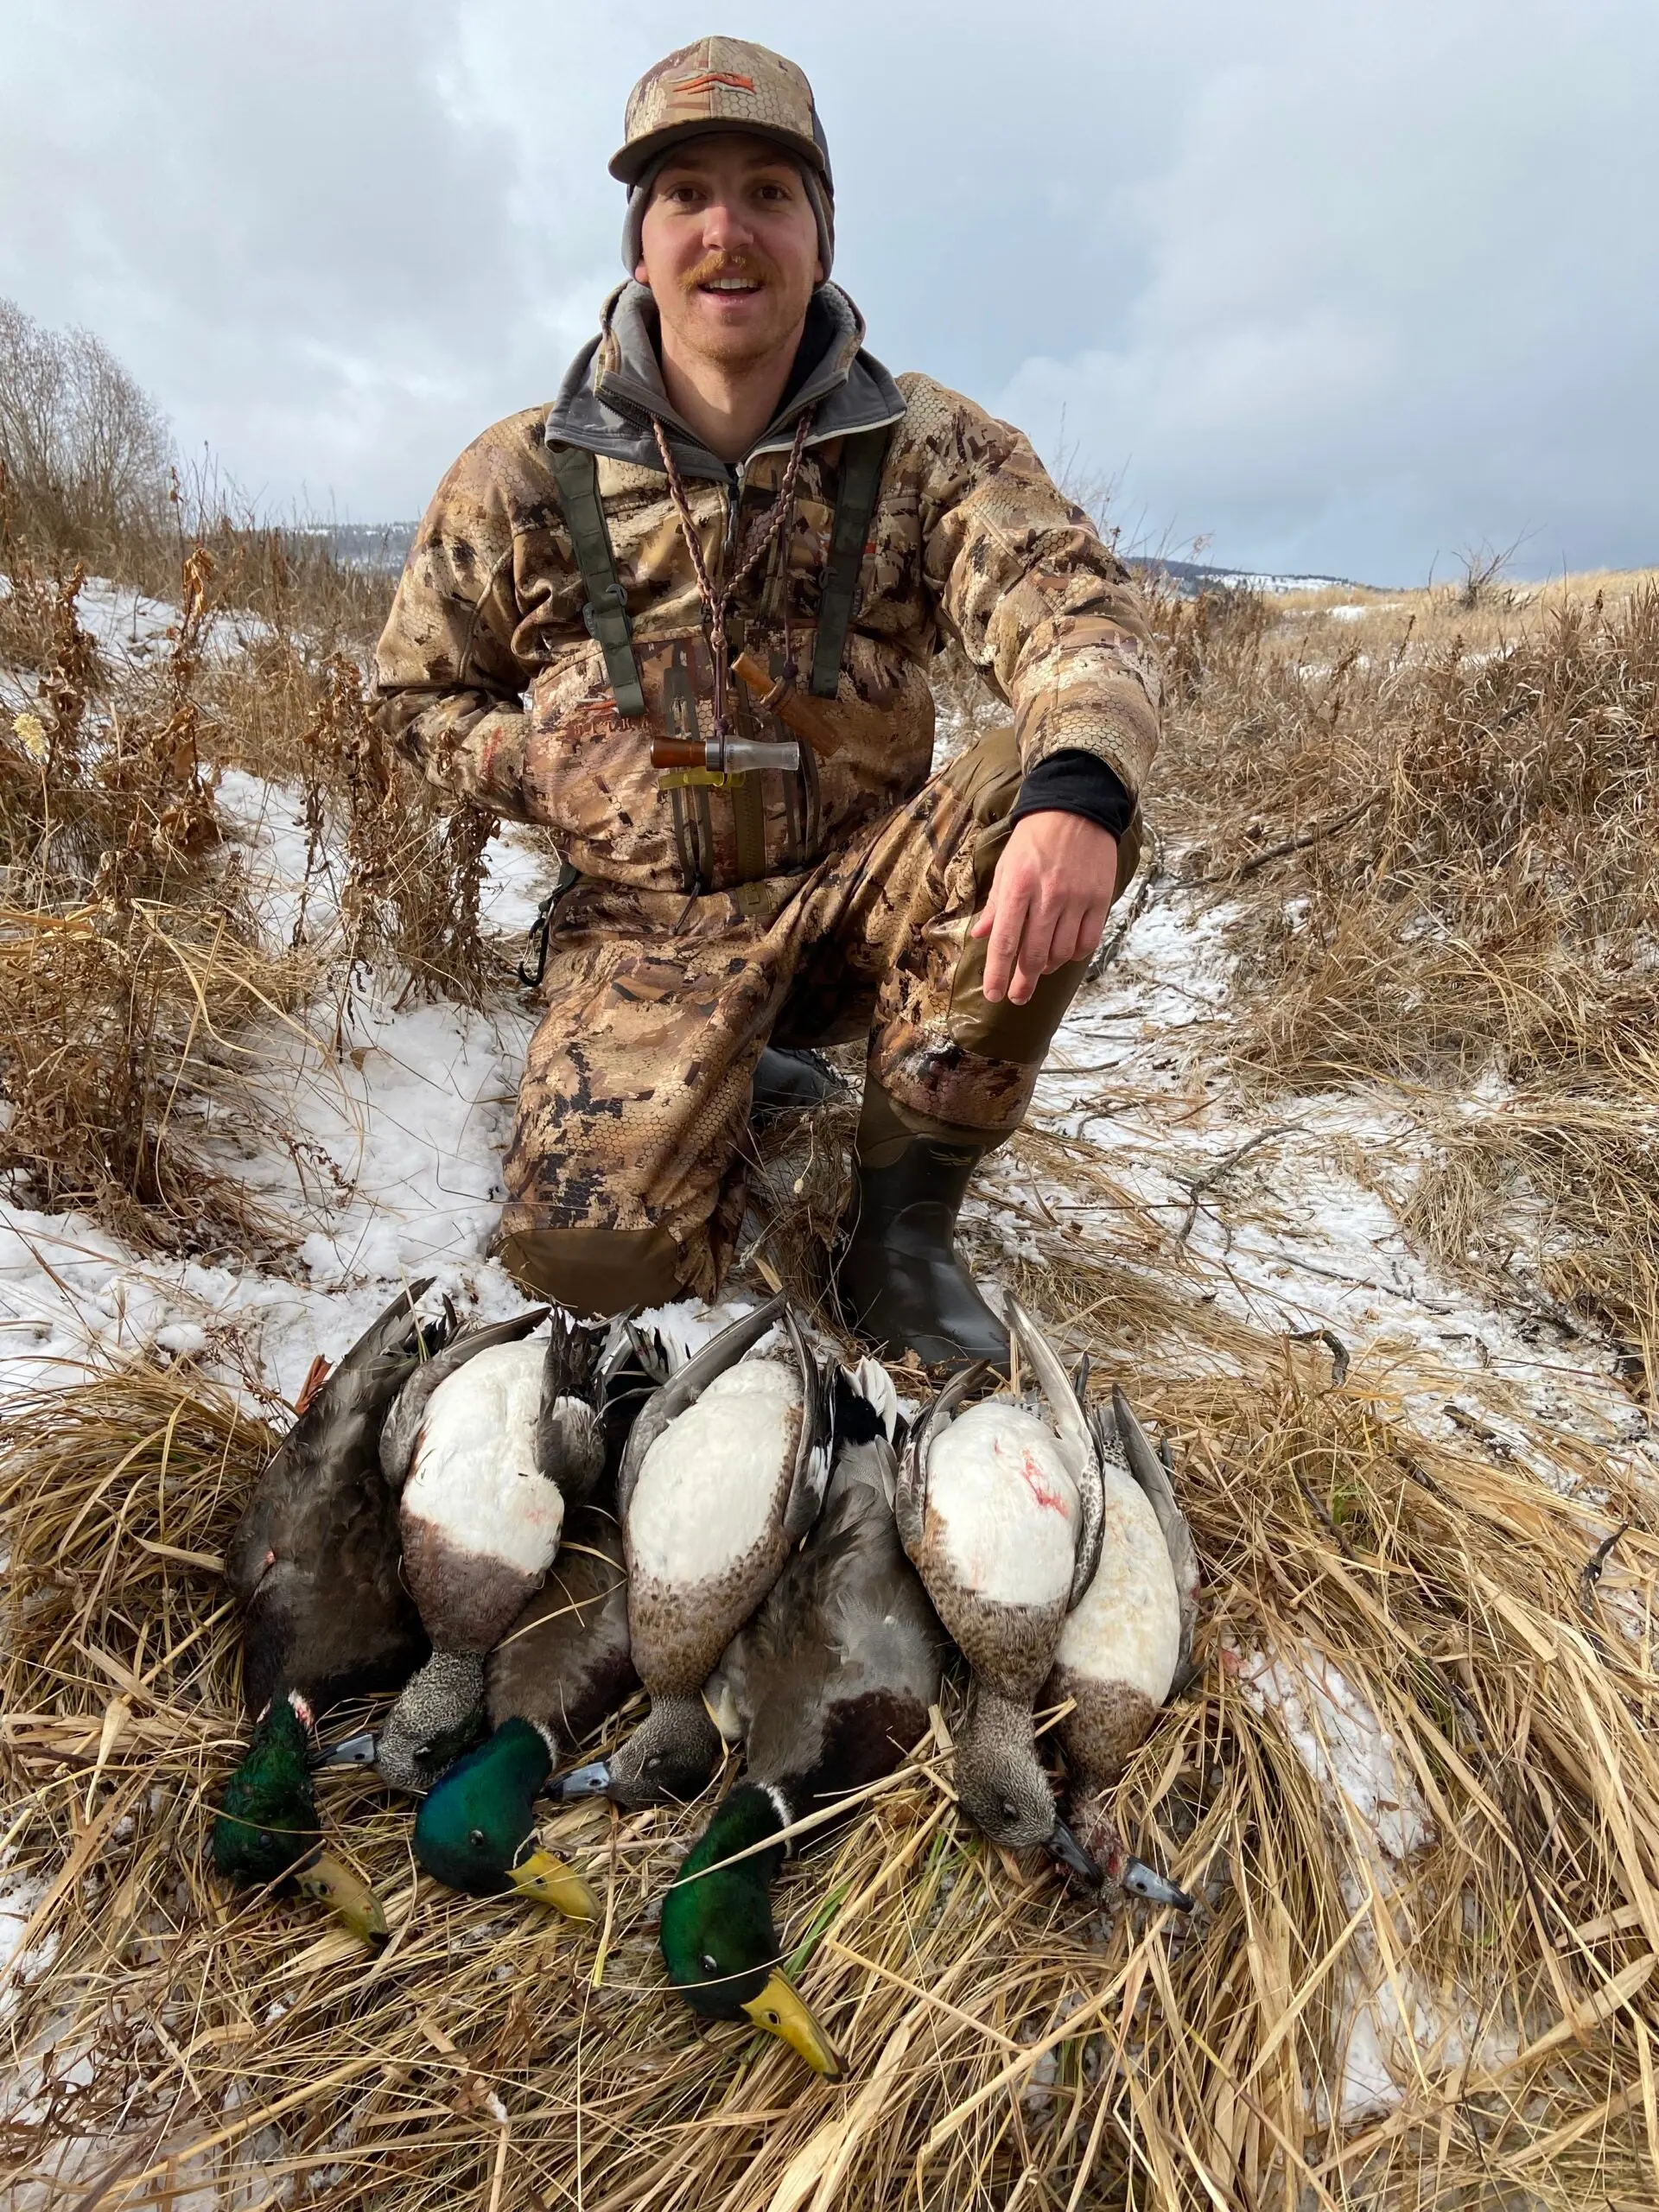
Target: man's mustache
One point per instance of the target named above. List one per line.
(753, 266)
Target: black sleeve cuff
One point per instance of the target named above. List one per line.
(1071, 781)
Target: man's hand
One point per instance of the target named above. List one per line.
(1047, 903)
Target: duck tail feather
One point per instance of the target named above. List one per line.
(867, 1398)
(815, 1451)
(573, 1356)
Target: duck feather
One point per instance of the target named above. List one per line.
(1153, 1476)
(1078, 1440)
(402, 1425)
(671, 1398)
(314, 1561)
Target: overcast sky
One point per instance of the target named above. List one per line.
(1337, 287)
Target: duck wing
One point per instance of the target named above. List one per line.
(1154, 1478)
(314, 1561)
(815, 1447)
(671, 1398)
(403, 1424)
(910, 1496)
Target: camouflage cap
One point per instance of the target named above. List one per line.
(720, 84)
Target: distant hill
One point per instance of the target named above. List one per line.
(385, 544)
(1192, 577)
(364, 544)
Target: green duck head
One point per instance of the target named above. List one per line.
(475, 1826)
(267, 1831)
(716, 1932)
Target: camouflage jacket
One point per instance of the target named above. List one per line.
(489, 679)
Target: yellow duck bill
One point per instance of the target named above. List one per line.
(346, 1895)
(782, 2011)
(547, 1880)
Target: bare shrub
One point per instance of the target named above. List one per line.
(86, 451)
(413, 878)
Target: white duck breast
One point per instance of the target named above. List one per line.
(1003, 1505)
(708, 1487)
(474, 1476)
(1127, 1626)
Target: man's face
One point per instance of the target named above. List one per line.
(729, 248)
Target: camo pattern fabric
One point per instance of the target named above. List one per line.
(489, 680)
(627, 1168)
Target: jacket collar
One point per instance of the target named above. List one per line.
(615, 386)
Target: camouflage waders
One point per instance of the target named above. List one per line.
(626, 1173)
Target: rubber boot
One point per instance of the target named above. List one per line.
(788, 1082)
(903, 1285)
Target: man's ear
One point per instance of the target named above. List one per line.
(640, 278)
(818, 273)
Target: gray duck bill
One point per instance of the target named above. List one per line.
(1067, 1848)
(361, 1749)
(1143, 1881)
(593, 1780)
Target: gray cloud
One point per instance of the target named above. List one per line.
(1339, 286)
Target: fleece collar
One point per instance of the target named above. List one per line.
(615, 386)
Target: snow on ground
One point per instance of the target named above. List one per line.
(371, 1134)
(1344, 1746)
(383, 1164)
(1281, 1230)
(131, 631)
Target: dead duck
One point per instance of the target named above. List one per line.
(723, 1474)
(562, 1667)
(1126, 1643)
(829, 1687)
(999, 1510)
(313, 1566)
(486, 1447)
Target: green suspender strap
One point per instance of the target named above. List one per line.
(576, 476)
(862, 454)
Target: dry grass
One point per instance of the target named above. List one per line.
(1439, 853)
(1005, 2045)
(128, 959)
(132, 962)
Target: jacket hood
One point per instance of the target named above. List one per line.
(615, 386)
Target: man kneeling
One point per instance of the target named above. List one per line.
(684, 617)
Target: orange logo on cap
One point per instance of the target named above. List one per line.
(710, 79)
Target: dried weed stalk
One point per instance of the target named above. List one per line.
(128, 963)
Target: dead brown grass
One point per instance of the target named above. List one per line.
(132, 962)
(1005, 2045)
(1442, 861)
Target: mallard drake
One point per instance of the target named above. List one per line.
(1000, 1512)
(313, 1566)
(487, 1446)
(829, 1687)
(723, 1473)
(1125, 1643)
(561, 1668)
